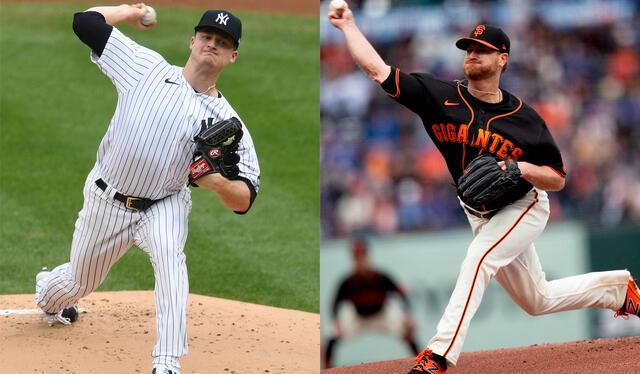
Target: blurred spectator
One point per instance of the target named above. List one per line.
(367, 291)
(380, 172)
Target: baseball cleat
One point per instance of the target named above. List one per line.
(159, 370)
(631, 302)
(66, 316)
(429, 362)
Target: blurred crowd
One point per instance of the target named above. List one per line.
(381, 173)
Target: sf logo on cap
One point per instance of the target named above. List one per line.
(479, 30)
(222, 18)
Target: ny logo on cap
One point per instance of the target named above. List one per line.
(479, 30)
(222, 18)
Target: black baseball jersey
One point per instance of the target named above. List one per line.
(463, 127)
(367, 291)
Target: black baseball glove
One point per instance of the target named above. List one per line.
(216, 150)
(483, 183)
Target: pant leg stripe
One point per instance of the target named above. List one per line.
(475, 277)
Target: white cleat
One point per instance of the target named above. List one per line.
(66, 316)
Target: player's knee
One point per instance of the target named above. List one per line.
(536, 306)
(531, 310)
(169, 253)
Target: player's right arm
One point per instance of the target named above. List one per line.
(123, 60)
(94, 25)
(132, 14)
(414, 94)
(341, 295)
(361, 50)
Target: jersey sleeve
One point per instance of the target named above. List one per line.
(547, 152)
(410, 90)
(92, 29)
(124, 61)
(248, 165)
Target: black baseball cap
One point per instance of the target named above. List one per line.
(223, 21)
(487, 35)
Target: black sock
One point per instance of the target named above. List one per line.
(440, 360)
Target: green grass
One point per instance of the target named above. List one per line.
(55, 106)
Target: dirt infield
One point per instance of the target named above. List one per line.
(117, 334)
(306, 7)
(592, 356)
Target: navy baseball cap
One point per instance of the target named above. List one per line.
(487, 35)
(223, 21)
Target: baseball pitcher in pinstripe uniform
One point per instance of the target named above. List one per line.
(137, 191)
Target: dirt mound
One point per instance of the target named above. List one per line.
(117, 334)
(589, 356)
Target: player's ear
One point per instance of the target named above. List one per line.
(234, 55)
(192, 41)
(504, 59)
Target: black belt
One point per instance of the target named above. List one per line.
(485, 215)
(132, 203)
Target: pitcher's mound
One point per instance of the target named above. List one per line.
(117, 334)
(589, 356)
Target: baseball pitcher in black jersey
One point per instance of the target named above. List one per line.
(473, 117)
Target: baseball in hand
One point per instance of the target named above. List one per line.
(149, 16)
(335, 4)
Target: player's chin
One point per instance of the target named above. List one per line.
(209, 57)
(209, 60)
(476, 72)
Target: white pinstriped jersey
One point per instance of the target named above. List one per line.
(147, 149)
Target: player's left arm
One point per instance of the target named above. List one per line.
(236, 184)
(542, 177)
(234, 194)
(544, 168)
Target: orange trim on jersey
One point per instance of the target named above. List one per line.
(501, 115)
(475, 277)
(557, 172)
(468, 124)
(397, 94)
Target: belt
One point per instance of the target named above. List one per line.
(132, 203)
(485, 215)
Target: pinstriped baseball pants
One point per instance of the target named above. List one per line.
(503, 248)
(104, 231)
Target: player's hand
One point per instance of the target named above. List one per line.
(341, 17)
(523, 166)
(137, 11)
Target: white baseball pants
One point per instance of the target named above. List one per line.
(503, 248)
(104, 231)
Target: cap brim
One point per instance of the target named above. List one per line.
(199, 28)
(463, 43)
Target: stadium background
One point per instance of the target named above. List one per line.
(577, 64)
